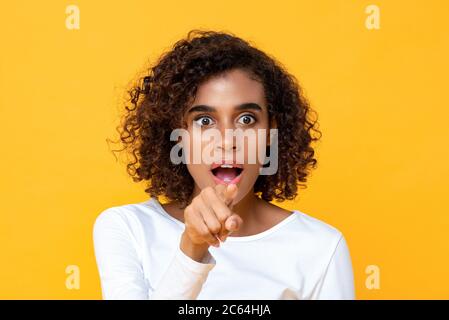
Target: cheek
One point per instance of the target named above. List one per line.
(246, 185)
(251, 172)
(253, 149)
(201, 147)
(200, 174)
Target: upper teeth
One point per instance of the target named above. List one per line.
(226, 166)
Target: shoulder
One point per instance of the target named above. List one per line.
(304, 224)
(316, 243)
(115, 215)
(124, 218)
(315, 227)
(318, 236)
(304, 227)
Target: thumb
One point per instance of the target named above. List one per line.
(233, 223)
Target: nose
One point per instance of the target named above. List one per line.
(228, 140)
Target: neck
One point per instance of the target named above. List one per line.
(247, 207)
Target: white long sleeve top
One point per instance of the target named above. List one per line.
(138, 257)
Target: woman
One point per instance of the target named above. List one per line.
(183, 249)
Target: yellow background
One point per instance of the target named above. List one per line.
(381, 96)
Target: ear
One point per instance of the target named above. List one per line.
(273, 125)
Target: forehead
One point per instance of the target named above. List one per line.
(230, 88)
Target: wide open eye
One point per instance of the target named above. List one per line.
(247, 119)
(203, 121)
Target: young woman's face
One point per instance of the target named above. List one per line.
(232, 100)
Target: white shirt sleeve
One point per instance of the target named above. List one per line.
(338, 280)
(121, 272)
(184, 277)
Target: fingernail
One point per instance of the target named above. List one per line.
(232, 224)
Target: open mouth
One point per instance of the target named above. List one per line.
(227, 173)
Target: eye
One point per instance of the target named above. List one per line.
(247, 119)
(203, 121)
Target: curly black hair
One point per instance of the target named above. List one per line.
(158, 101)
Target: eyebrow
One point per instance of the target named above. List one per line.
(243, 106)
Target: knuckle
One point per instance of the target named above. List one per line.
(204, 233)
(206, 190)
(190, 209)
(195, 201)
(223, 213)
(215, 228)
(207, 194)
(212, 240)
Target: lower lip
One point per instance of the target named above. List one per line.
(233, 181)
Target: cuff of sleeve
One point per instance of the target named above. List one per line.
(202, 267)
